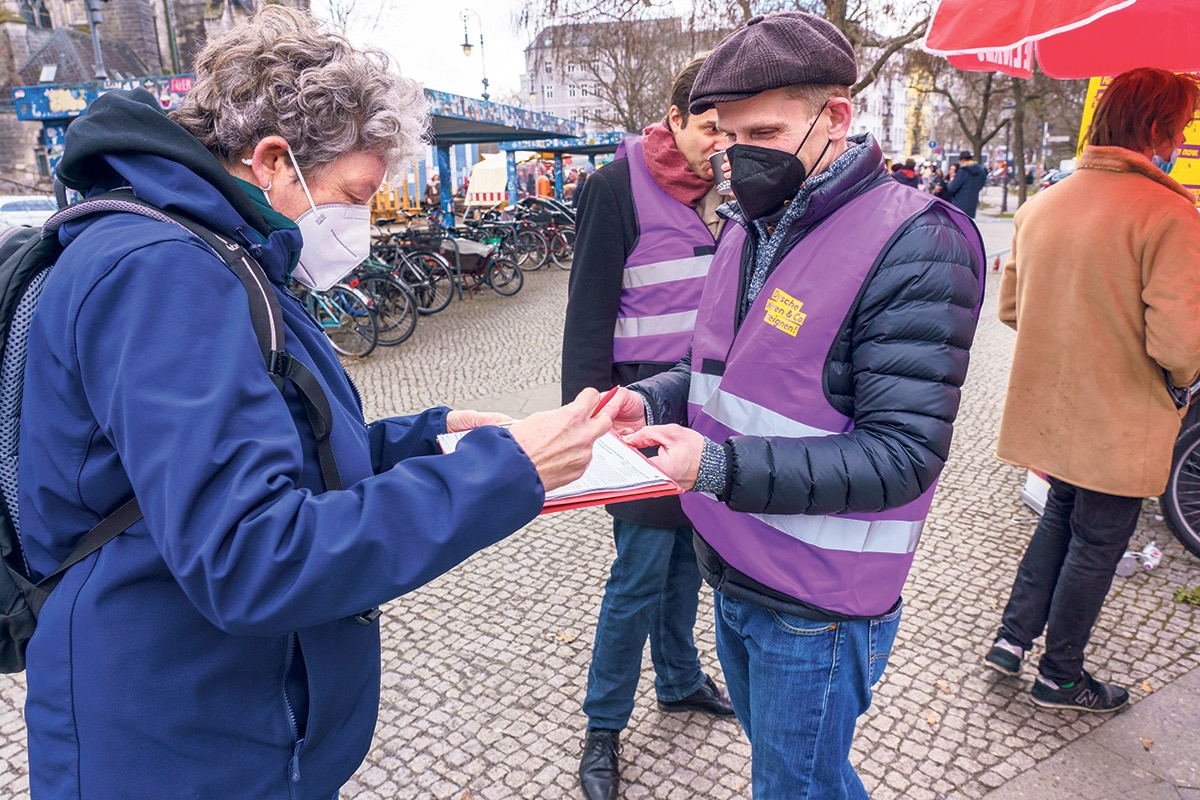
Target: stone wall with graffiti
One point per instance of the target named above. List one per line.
(34, 149)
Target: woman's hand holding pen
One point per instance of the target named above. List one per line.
(559, 442)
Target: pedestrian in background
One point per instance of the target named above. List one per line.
(946, 194)
(937, 182)
(966, 183)
(579, 182)
(906, 173)
(433, 191)
(819, 402)
(647, 230)
(1102, 286)
(217, 647)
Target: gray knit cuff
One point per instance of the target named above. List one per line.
(649, 410)
(711, 477)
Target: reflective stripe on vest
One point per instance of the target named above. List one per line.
(664, 275)
(771, 384)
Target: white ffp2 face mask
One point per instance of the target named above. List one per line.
(337, 238)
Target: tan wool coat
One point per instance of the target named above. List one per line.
(1103, 288)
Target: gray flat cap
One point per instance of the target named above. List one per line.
(769, 52)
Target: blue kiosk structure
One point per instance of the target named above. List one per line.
(590, 145)
(465, 120)
(455, 120)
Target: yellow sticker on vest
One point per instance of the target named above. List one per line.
(783, 312)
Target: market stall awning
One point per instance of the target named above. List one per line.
(466, 120)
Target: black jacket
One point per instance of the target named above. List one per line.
(606, 233)
(896, 368)
(964, 190)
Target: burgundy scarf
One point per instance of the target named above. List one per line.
(669, 168)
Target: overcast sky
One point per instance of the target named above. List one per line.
(425, 36)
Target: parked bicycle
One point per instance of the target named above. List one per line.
(485, 264)
(428, 274)
(346, 317)
(391, 299)
(1181, 500)
(556, 223)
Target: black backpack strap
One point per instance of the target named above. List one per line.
(316, 406)
(104, 532)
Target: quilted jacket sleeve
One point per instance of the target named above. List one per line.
(897, 370)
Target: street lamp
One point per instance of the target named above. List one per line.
(466, 46)
(95, 17)
(1008, 106)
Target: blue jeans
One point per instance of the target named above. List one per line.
(798, 686)
(653, 590)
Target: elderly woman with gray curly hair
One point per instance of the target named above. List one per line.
(218, 647)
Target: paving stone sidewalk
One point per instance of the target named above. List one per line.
(484, 668)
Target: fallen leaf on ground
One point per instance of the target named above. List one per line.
(566, 637)
(945, 687)
(1147, 742)
(931, 718)
(1147, 688)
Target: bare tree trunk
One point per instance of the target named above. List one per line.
(1018, 140)
(835, 12)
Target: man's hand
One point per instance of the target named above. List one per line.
(628, 411)
(679, 451)
(457, 421)
(559, 442)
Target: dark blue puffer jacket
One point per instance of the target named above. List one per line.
(209, 651)
(896, 368)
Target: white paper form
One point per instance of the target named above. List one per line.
(615, 466)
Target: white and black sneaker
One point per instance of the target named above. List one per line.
(1005, 657)
(1085, 694)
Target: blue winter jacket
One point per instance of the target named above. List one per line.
(209, 652)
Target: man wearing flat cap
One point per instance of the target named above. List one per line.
(963, 191)
(815, 410)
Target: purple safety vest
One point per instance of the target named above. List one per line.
(766, 380)
(664, 275)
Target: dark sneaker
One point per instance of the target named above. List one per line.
(708, 699)
(1005, 657)
(1085, 694)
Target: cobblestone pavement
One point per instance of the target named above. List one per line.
(484, 668)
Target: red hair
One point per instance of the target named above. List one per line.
(1142, 107)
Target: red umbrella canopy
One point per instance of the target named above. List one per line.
(1071, 38)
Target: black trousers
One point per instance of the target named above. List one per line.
(1066, 574)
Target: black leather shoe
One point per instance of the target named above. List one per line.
(599, 773)
(708, 699)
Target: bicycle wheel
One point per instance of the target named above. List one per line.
(562, 247)
(532, 250)
(1181, 501)
(431, 280)
(505, 276)
(346, 316)
(394, 305)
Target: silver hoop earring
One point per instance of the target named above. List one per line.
(267, 188)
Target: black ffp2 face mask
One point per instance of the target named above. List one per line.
(762, 179)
